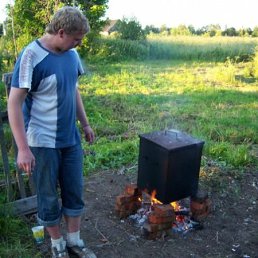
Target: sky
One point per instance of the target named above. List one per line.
(199, 13)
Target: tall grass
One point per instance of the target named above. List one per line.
(255, 64)
(15, 236)
(202, 48)
(177, 48)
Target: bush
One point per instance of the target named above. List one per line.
(255, 63)
(130, 30)
(118, 50)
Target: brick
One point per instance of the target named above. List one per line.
(152, 218)
(200, 211)
(131, 206)
(132, 189)
(200, 196)
(125, 198)
(196, 205)
(163, 210)
(203, 205)
(156, 227)
(199, 217)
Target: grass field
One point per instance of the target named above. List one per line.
(215, 102)
(189, 91)
(194, 48)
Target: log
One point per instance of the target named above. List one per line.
(23, 206)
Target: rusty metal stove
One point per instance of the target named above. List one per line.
(169, 163)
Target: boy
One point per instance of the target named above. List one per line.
(43, 106)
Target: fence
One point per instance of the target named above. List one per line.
(19, 187)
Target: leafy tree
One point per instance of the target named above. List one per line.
(191, 29)
(130, 29)
(180, 30)
(1, 29)
(151, 29)
(255, 32)
(213, 29)
(201, 31)
(249, 31)
(231, 32)
(164, 30)
(27, 19)
(242, 32)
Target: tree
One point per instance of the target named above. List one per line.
(202, 30)
(30, 17)
(181, 30)
(231, 32)
(213, 30)
(1, 29)
(151, 29)
(130, 29)
(255, 32)
(164, 30)
(191, 29)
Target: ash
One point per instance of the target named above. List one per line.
(141, 216)
(183, 222)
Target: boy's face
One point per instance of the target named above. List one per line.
(69, 41)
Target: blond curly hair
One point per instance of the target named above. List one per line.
(70, 19)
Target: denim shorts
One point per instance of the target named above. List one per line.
(58, 175)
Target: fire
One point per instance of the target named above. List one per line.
(153, 199)
(149, 214)
(175, 205)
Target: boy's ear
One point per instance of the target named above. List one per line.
(61, 33)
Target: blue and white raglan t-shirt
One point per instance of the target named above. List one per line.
(50, 107)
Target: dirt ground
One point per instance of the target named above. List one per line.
(231, 230)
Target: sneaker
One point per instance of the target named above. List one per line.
(59, 251)
(81, 251)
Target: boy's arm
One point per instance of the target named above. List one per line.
(82, 117)
(25, 159)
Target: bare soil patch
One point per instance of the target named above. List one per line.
(231, 230)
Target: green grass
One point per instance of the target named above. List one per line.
(205, 100)
(195, 48)
(215, 102)
(16, 237)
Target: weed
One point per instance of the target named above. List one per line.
(137, 97)
(216, 102)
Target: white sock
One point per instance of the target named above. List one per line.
(73, 238)
(58, 243)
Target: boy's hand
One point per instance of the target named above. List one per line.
(26, 161)
(88, 134)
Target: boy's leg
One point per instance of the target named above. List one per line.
(73, 223)
(45, 175)
(71, 181)
(71, 184)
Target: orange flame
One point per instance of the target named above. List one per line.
(153, 199)
(175, 205)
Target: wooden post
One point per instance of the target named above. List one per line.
(5, 161)
(7, 78)
(25, 205)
